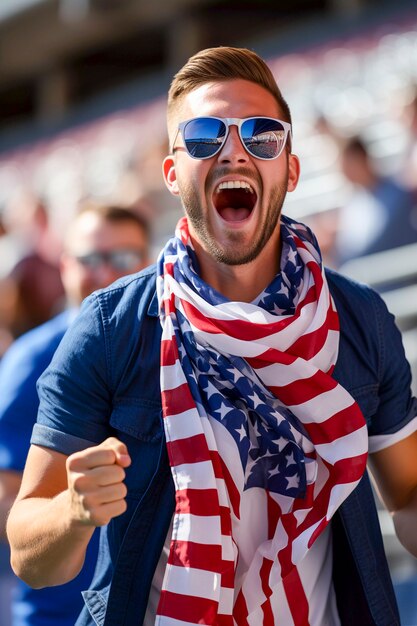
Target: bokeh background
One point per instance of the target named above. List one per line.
(82, 116)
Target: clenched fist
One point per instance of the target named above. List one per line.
(95, 481)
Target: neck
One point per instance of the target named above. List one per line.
(240, 283)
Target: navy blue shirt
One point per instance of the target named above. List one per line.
(104, 380)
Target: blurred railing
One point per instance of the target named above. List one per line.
(393, 273)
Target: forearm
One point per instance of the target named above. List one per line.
(47, 548)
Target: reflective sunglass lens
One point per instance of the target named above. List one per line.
(204, 136)
(264, 138)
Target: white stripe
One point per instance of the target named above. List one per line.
(349, 446)
(282, 375)
(222, 492)
(338, 494)
(167, 329)
(192, 582)
(252, 585)
(195, 475)
(315, 573)
(279, 541)
(229, 549)
(197, 528)
(380, 442)
(172, 376)
(227, 311)
(299, 546)
(183, 425)
(321, 407)
(226, 446)
(227, 599)
(280, 608)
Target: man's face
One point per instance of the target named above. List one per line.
(232, 225)
(83, 270)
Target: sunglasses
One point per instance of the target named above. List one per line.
(262, 137)
(119, 260)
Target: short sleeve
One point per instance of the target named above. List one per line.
(397, 408)
(74, 390)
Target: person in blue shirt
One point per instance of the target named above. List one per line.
(213, 414)
(381, 213)
(103, 243)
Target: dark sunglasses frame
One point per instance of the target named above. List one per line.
(233, 121)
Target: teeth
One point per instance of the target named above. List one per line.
(235, 184)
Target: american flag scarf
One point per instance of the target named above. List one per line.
(264, 445)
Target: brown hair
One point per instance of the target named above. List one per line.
(219, 64)
(113, 213)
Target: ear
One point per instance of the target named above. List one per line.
(293, 172)
(170, 176)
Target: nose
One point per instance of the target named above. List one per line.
(233, 150)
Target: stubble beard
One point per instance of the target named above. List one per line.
(237, 252)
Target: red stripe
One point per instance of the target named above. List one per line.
(268, 618)
(169, 352)
(240, 329)
(196, 555)
(225, 521)
(310, 344)
(240, 610)
(296, 598)
(271, 356)
(344, 471)
(187, 608)
(265, 571)
(197, 502)
(178, 400)
(169, 268)
(339, 425)
(202, 556)
(217, 463)
(188, 450)
(228, 574)
(349, 470)
(232, 490)
(300, 391)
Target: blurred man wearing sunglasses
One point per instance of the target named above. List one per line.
(250, 504)
(103, 243)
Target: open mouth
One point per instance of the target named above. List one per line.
(234, 200)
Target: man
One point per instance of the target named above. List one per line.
(103, 243)
(381, 213)
(263, 442)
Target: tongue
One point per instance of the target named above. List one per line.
(234, 215)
